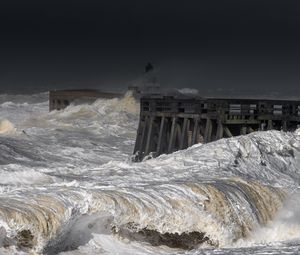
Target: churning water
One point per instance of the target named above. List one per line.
(67, 186)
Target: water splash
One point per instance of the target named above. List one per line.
(6, 127)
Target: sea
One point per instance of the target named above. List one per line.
(68, 185)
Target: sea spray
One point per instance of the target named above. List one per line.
(6, 127)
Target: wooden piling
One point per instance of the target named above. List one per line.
(161, 129)
(220, 130)
(196, 128)
(178, 134)
(142, 141)
(138, 138)
(208, 131)
(227, 132)
(284, 125)
(149, 137)
(270, 125)
(172, 136)
(183, 134)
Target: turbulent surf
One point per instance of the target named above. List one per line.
(68, 186)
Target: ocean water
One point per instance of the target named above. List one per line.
(68, 186)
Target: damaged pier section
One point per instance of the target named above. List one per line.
(170, 123)
(60, 99)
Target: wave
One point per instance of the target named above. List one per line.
(271, 157)
(103, 127)
(105, 116)
(20, 99)
(183, 215)
(6, 127)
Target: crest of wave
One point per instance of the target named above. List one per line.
(6, 127)
(116, 112)
(285, 227)
(103, 117)
(180, 215)
(127, 103)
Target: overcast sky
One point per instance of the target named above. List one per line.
(209, 45)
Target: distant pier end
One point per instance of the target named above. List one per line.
(169, 123)
(60, 99)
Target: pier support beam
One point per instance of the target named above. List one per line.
(178, 135)
(183, 137)
(208, 131)
(149, 138)
(142, 141)
(172, 135)
(195, 131)
(284, 125)
(270, 125)
(227, 132)
(220, 130)
(189, 133)
(138, 138)
(160, 136)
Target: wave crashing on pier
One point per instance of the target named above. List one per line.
(68, 186)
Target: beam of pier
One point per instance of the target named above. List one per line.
(195, 131)
(172, 136)
(138, 138)
(284, 125)
(142, 141)
(178, 134)
(208, 131)
(189, 133)
(227, 132)
(184, 134)
(220, 130)
(149, 138)
(160, 136)
(270, 125)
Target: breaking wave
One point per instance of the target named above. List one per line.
(182, 216)
(67, 185)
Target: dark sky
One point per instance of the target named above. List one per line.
(210, 45)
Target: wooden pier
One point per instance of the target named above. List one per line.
(170, 123)
(60, 99)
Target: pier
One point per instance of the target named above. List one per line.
(60, 99)
(171, 123)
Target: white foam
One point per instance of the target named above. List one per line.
(6, 127)
(26, 177)
(189, 91)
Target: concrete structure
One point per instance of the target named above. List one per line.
(60, 99)
(170, 123)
